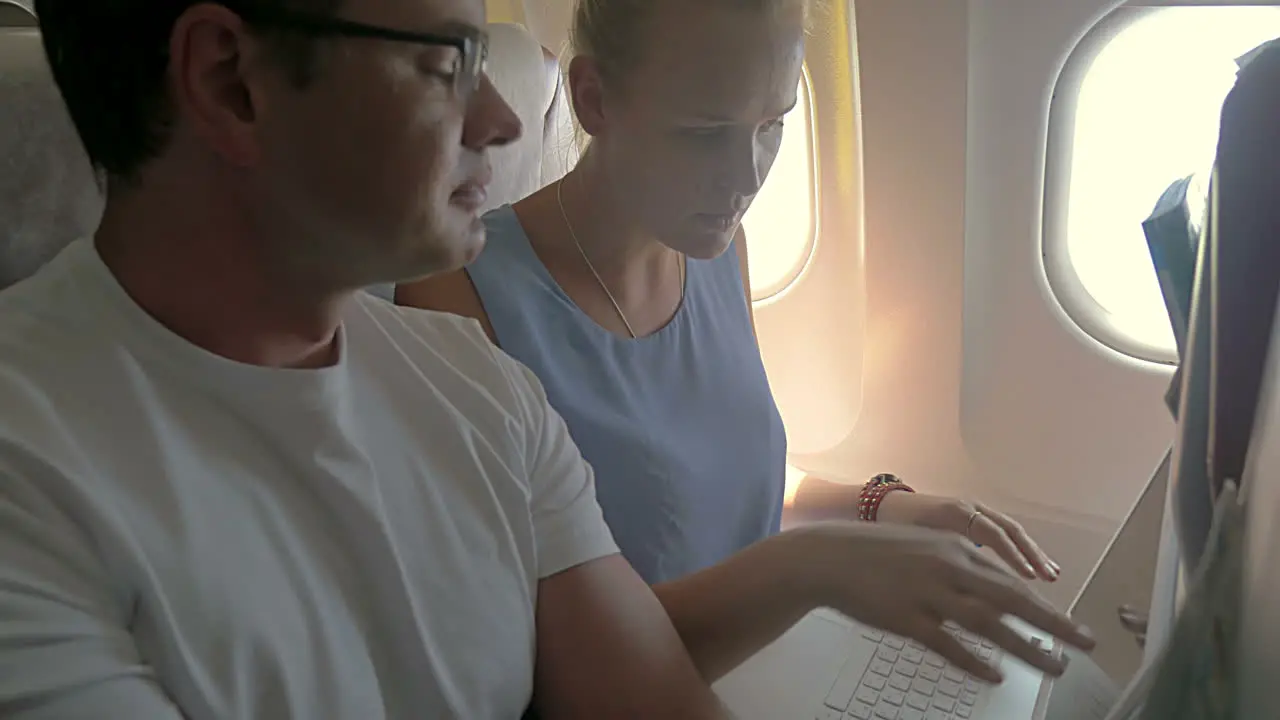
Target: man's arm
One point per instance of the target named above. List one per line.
(65, 652)
(606, 648)
(729, 612)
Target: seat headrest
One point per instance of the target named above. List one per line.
(528, 77)
(48, 194)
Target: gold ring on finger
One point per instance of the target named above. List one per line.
(968, 528)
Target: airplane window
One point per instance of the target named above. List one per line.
(1147, 114)
(780, 223)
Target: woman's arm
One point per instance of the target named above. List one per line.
(905, 580)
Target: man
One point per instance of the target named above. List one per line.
(233, 486)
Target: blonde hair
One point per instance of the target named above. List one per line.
(612, 32)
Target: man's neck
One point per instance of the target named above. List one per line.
(202, 273)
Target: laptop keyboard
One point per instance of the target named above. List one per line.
(904, 681)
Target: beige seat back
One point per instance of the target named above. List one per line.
(48, 193)
(528, 76)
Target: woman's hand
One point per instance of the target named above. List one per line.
(979, 523)
(910, 580)
(1135, 621)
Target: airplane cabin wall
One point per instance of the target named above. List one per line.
(973, 381)
(1063, 428)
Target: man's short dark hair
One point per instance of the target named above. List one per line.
(110, 59)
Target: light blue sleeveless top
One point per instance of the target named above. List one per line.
(680, 426)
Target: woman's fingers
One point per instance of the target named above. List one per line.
(977, 616)
(1007, 595)
(987, 532)
(1028, 552)
(937, 639)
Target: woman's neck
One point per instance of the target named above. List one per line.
(599, 222)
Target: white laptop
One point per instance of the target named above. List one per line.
(830, 668)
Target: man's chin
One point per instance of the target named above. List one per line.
(459, 250)
(473, 241)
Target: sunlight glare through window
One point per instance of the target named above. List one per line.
(780, 222)
(1147, 114)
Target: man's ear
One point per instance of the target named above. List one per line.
(586, 92)
(210, 50)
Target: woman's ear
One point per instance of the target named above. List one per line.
(586, 92)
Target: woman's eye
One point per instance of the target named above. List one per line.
(775, 124)
(703, 132)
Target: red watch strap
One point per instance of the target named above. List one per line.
(873, 494)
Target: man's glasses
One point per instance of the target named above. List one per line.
(472, 44)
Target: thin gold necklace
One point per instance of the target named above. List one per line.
(616, 307)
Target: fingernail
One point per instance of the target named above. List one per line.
(1028, 570)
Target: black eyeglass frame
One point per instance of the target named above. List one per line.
(472, 44)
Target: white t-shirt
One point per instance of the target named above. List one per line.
(186, 536)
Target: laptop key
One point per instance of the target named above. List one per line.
(922, 686)
(881, 667)
(893, 697)
(867, 695)
(944, 703)
(886, 712)
(918, 701)
(936, 714)
(949, 688)
(963, 712)
(905, 669)
(900, 682)
(968, 698)
(860, 710)
(875, 682)
(932, 675)
(895, 643)
(910, 714)
(953, 673)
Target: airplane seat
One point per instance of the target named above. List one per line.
(16, 14)
(48, 193)
(528, 77)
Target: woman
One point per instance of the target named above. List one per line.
(624, 287)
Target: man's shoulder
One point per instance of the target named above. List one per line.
(445, 348)
(453, 338)
(44, 322)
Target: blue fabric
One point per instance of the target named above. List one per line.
(687, 444)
